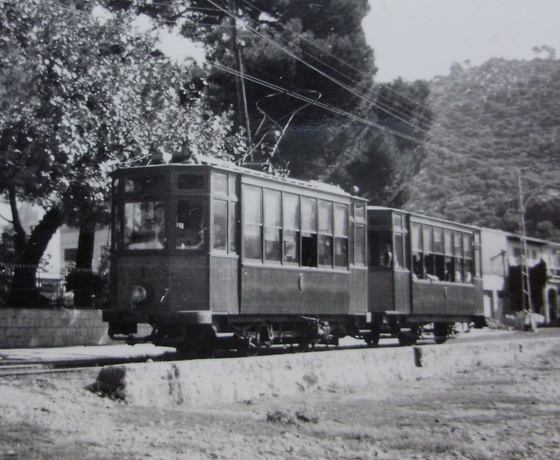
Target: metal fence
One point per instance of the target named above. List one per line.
(24, 286)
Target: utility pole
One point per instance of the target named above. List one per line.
(239, 79)
(525, 279)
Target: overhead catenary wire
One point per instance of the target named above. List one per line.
(314, 102)
(471, 156)
(316, 69)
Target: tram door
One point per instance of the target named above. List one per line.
(389, 271)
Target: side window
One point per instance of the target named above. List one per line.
(448, 249)
(290, 236)
(219, 224)
(398, 251)
(252, 222)
(458, 257)
(308, 232)
(468, 266)
(417, 251)
(325, 239)
(189, 228)
(341, 236)
(428, 244)
(272, 226)
(439, 254)
(360, 245)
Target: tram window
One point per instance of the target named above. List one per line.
(291, 246)
(360, 245)
(252, 222)
(467, 258)
(309, 249)
(429, 257)
(190, 182)
(397, 221)
(478, 262)
(189, 228)
(325, 246)
(308, 232)
(448, 255)
(220, 183)
(381, 252)
(272, 226)
(219, 224)
(252, 241)
(417, 252)
(143, 183)
(144, 225)
(232, 227)
(398, 251)
(291, 228)
(359, 211)
(458, 257)
(341, 236)
(439, 253)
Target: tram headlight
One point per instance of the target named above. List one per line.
(139, 294)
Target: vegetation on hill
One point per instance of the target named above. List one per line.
(491, 125)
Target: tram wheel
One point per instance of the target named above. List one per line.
(407, 338)
(372, 337)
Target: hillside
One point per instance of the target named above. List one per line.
(490, 123)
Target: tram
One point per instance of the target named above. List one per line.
(201, 250)
(215, 255)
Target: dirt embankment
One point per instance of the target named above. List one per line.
(485, 412)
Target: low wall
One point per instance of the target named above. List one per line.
(28, 328)
(218, 381)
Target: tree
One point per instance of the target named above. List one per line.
(381, 157)
(78, 97)
(313, 49)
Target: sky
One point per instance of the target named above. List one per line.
(420, 39)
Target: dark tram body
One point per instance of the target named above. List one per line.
(422, 271)
(200, 250)
(215, 255)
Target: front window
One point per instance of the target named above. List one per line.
(190, 224)
(144, 225)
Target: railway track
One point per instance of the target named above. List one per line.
(21, 368)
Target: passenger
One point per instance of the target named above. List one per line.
(388, 257)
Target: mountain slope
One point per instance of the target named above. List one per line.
(492, 123)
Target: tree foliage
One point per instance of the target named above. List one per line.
(381, 157)
(79, 96)
(314, 49)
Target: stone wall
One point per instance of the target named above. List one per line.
(29, 328)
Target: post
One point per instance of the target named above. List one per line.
(525, 278)
(239, 79)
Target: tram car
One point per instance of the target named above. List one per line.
(203, 251)
(219, 256)
(425, 275)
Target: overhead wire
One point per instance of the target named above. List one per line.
(322, 105)
(311, 66)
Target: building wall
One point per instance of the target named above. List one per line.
(69, 244)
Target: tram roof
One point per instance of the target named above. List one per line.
(425, 217)
(212, 163)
